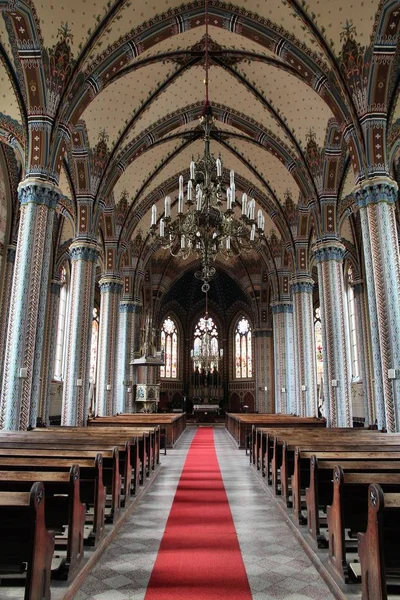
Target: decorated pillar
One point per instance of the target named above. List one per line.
(376, 200)
(364, 347)
(306, 373)
(264, 364)
(49, 349)
(337, 379)
(123, 384)
(23, 353)
(110, 290)
(134, 353)
(5, 302)
(285, 394)
(76, 384)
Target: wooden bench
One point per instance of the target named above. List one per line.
(379, 546)
(319, 494)
(25, 544)
(64, 511)
(349, 510)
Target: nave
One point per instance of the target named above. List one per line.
(277, 566)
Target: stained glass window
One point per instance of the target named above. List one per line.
(169, 344)
(205, 346)
(318, 345)
(352, 324)
(93, 346)
(243, 349)
(59, 362)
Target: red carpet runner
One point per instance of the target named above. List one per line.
(199, 556)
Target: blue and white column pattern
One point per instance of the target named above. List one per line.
(303, 314)
(5, 302)
(363, 351)
(75, 407)
(338, 405)
(135, 347)
(285, 395)
(49, 349)
(110, 290)
(123, 382)
(376, 199)
(19, 398)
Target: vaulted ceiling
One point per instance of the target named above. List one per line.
(134, 76)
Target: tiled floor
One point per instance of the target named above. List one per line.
(276, 565)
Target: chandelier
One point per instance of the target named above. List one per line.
(205, 354)
(209, 219)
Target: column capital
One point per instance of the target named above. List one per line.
(81, 250)
(55, 286)
(302, 283)
(329, 250)
(375, 190)
(130, 306)
(11, 252)
(110, 283)
(283, 306)
(33, 191)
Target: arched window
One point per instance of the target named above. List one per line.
(205, 353)
(318, 345)
(169, 345)
(352, 324)
(93, 346)
(243, 349)
(61, 327)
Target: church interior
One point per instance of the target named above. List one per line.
(199, 255)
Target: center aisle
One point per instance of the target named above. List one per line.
(276, 565)
(199, 556)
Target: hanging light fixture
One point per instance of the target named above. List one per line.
(206, 355)
(206, 223)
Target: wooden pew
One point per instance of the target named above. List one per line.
(63, 508)
(349, 509)
(24, 540)
(379, 546)
(319, 494)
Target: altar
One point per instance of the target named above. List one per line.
(205, 413)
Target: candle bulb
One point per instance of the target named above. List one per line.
(189, 190)
(233, 194)
(244, 204)
(183, 242)
(232, 176)
(167, 207)
(259, 218)
(154, 214)
(219, 167)
(162, 224)
(192, 169)
(181, 185)
(253, 207)
(199, 196)
(253, 232)
(228, 242)
(228, 198)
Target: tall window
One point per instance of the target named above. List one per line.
(93, 346)
(318, 345)
(243, 349)
(205, 353)
(352, 324)
(169, 344)
(61, 327)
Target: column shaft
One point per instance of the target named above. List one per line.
(23, 354)
(123, 382)
(363, 351)
(5, 302)
(264, 363)
(306, 372)
(110, 289)
(285, 396)
(76, 385)
(337, 389)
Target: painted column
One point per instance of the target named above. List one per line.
(135, 347)
(23, 354)
(285, 395)
(306, 370)
(123, 384)
(5, 302)
(49, 349)
(110, 290)
(76, 384)
(376, 199)
(264, 365)
(363, 350)
(337, 379)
